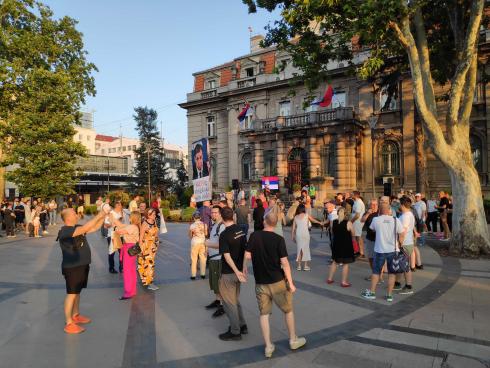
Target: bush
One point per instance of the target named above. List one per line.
(296, 187)
(166, 212)
(172, 199)
(186, 195)
(90, 209)
(187, 214)
(119, 195)
(174, 217)
(165, 204)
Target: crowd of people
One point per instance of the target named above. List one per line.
(226, 234)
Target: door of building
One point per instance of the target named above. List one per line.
(294, 172)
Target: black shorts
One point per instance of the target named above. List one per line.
(76, 278)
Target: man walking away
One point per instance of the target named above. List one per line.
(215, 260)
(76, 263)
(385, 226)
(242, 215)
(232, 244)
(273, 281)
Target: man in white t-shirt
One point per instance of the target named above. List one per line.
(118, 214)
(358, 210)
(215, 260)
(389, 234)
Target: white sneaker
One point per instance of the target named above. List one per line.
(269, 350)
(45, 232)
(153, 287)
(297, 343)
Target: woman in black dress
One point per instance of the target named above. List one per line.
(258, 215)
(342, 248)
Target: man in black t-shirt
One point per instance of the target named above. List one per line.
(232, 243)
(75, 264)
(273, 281)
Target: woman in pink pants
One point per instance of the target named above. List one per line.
(131, 235)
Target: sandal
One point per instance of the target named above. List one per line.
(345, 284)
(330, 281)
(307, 268)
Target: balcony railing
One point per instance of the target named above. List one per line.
(246, 83)
(209, 94)
(311, 118)
(104, 164)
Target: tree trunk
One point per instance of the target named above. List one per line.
(420, 160)
(470, 235)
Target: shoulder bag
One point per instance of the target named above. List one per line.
(134, 250)
(401, 260)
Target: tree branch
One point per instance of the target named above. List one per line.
(423, 50)
(433, 129)
(458, 81)
(469, 92)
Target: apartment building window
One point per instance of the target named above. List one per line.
(327, 156)
(308, 107)
(386, 102)
(134, 147)
(212, 161)
(248, 122)
(211, 84)
(247, 166)
(102, 151)
(269, 163)
(80, 137)
(390, 158)
(249, 72)
(284, 108)
(476, 152)
(129, 148)
(124, 148)
(338, 99)
(211, 126)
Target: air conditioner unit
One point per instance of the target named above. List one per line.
(388, 179)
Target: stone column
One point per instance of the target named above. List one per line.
(346, 164)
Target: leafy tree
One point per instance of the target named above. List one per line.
(150, 150)
(44, 78)
(436, 41)
(180, 185)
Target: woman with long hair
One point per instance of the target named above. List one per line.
(343, 235)
(149, 246)
(301, 235)
(131, 235)
(278, 211)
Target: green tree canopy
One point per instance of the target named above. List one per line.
(150, 151)
(44, 78)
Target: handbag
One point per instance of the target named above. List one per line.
(116, 241)
(401, 261)
(134, 250)
(163, 226)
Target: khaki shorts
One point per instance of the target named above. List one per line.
(408, 249)
(277, 292)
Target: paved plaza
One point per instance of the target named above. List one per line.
(446, 323)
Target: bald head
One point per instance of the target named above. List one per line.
(69, 217)
(270, 219)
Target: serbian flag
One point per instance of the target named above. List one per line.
(243, 114)
(326, 100)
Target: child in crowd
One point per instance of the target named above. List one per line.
(197, 234)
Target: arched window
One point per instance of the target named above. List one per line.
(477, 152)
(246, 166)
(214, 177)
(390, 158)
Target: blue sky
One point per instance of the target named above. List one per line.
(147, 50)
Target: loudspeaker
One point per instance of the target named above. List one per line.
(235, 184)
(387, 189)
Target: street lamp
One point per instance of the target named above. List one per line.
(373, 120)
(108, 177)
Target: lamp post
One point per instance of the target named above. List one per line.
(148, 149)
(372, 120)
(108, 177)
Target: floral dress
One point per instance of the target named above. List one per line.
(146, 260)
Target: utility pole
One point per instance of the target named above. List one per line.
(148, 149)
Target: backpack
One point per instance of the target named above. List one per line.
(419, 223)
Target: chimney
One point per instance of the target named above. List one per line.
(255, 43)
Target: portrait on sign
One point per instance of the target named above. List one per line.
(200, 159)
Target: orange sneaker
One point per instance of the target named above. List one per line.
(81, 319)
(73, 328)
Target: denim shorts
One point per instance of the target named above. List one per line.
(379, 261)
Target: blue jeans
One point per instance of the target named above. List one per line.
(244, 228)
(379, 261)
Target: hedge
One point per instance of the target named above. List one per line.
(187, 214)
(90, 209)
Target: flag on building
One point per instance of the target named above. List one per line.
(326, 100)
(244, 113)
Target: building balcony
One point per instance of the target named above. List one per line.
(301, 120)
(94, 164)
(209, 94)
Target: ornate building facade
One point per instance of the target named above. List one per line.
(364, 140)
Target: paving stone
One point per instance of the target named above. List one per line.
(456, 361)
